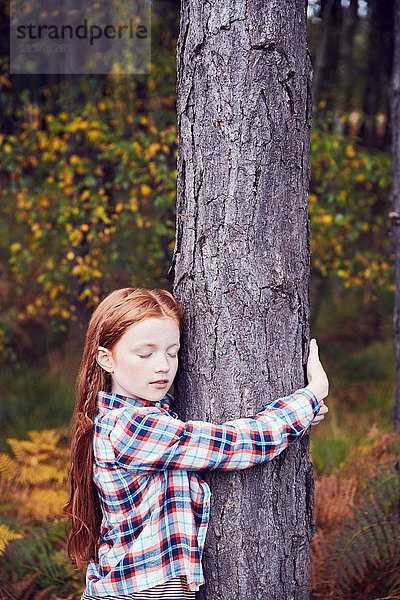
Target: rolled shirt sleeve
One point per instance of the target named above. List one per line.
(152, 440)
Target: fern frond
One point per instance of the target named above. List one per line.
(36, 461)
(7, 535)
(381, 448)
(320, 551)
(44, 503)
(8, 466)
(42, 594)
(48, 503)
(26, 589)
(40, 473)
(21, 449)
(370, 537)
(35, 474)
(333, 500)
(46, 438)
(18, 590)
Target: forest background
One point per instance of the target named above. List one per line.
(88, 189)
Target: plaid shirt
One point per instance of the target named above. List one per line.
(155, 508)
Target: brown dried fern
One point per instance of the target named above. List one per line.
(26, 589)
(380, 448)
(333, 500)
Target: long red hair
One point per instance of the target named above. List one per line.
(118, 311)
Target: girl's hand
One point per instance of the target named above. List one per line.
(321, 415)
(317, 380)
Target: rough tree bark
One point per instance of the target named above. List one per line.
(241, 266)
(395, 214)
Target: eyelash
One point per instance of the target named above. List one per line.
(147, 355)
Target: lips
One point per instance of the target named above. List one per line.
(160, 381)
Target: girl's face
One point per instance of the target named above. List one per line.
(144, 361)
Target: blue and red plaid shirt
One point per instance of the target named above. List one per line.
(155, 507)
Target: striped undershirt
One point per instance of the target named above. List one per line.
(173, 589)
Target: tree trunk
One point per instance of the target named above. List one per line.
(395, 215)
(241, 264)
(322, 50)
(379, 68)
(345, 63)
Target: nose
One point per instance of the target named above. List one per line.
(162, 364)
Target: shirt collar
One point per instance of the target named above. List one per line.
(107, 400)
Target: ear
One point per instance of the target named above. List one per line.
(104, 359)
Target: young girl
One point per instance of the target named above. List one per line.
(139, 512)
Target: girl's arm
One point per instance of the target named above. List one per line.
(154, 441)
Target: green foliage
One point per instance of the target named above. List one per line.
(349, 202)
(34, 398)
(328, 453)
(354, 415)
(88, 170)
(41, 553)
(351, 318)
(95, 198)
(361, 396)
(376, 362)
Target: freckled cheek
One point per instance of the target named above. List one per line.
(132, 370)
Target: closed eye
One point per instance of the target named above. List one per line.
(148, 355)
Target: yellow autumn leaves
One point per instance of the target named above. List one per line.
(35, 475)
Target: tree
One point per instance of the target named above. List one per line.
(345, 63)
(379, 67)
(395, 214)
(241, 263)
(327, 49)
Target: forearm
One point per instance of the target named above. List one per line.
(156, 441)
(273, 429)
